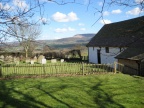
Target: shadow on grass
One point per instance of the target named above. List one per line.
(103, 99)
(7, 98)
(55, 98)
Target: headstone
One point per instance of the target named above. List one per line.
(16, 60)
(1, 58)
(8, 59)
(43, 61)
(32, 61)
(62, 60)
(35, 59)
(40, 58)
(28, 60)
(53, 60)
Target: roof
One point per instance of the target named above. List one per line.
(133, 52)
(120, 34)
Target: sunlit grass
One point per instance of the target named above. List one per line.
(98, 91)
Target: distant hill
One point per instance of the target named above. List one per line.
(69, 42)
(84, 38)
(90, 35)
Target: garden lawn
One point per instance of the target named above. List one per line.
(97, 91)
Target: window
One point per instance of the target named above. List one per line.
(107, 49)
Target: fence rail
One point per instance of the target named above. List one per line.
(53, 69)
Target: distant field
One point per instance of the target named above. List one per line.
(97, 91)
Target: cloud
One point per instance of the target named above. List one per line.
(81, 24)
(135, 11)
(118, 11)
(21, 4)
(83, 29)
(139, 1)
(105, 13)
(105, 21)
(63, 30)
(60, 17)
(72, 16)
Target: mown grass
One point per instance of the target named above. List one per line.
(97, 91)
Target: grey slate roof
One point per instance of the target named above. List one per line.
(120, 34)
(133, 52)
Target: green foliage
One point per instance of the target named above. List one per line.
(98, 91)
(1, 62)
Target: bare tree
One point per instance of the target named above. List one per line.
(26, 36)
(46, 48)
(13, 11)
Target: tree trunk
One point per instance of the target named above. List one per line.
(26, 51)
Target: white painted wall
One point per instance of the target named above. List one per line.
(105, 57)
(92, 54)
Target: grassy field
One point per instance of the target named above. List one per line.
(97, 91)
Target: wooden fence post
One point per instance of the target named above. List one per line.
(44, 69)
(115, 67)
(0, 70)
(82, 68)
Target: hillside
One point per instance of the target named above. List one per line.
(83, 38)
(70, 42)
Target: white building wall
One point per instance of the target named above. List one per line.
(105, 57)
(92, 54)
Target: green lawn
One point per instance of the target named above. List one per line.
(97, 91)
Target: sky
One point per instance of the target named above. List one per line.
(78, 18)
(71, 19)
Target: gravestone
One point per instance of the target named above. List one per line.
(16, 60)
(40, 58)
(32, 61)
(62, 60)
(8, 59)
(1, 58)
(43, 61)
(28, 60)
(35, 59)
(53, 60)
